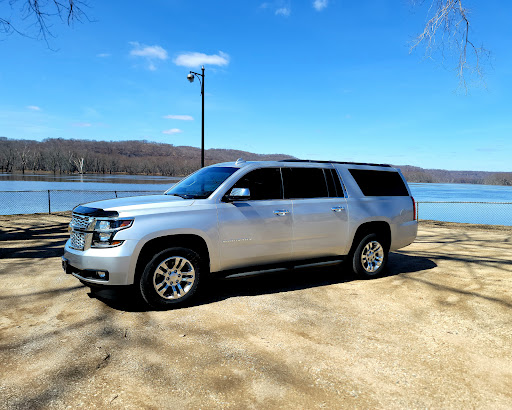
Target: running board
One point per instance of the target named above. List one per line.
(288, 266)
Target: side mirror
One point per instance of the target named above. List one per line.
(239, 194)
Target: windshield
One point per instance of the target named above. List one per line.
(202, 183)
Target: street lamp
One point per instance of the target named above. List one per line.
(200, 77)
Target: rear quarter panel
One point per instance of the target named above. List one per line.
(397, 211)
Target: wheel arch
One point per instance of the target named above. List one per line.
(381, 228)
(156, 245)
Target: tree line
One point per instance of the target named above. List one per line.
(65, 156)
(441, 176)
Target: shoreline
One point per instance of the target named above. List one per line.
(421, 223)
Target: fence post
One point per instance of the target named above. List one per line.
(417, 211)
(49, 203)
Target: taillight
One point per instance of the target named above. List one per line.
(414, 209)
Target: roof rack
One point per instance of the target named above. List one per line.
(335, 162)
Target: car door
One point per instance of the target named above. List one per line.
(257, 230)
(320, 214)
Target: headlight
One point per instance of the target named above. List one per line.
(106, 229)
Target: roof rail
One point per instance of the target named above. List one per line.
(335, 162)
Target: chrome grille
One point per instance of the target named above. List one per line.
(80, 222)
(77, 240)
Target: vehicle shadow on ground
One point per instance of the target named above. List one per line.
(216, 290)
(52, 240)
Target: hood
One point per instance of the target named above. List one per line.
(137, 203)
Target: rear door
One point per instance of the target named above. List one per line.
(320, 215)
(259, 230)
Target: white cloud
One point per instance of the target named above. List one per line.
(197, 59)
(103, 55)
(172, 131)
(283, 11)
(33, 107)
(82, 124)
(149, 53)
(319, 5)
(179, 117)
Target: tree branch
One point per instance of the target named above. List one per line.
(37, 16)
(448, 28)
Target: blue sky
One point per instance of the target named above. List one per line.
(324, 79)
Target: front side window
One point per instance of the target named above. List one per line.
(264, 184)
(202, 183)
(304, 183)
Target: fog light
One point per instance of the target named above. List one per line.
(100, 274)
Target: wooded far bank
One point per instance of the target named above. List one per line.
(67, 156)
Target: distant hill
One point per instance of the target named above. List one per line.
(132, 157)
(416, 174)
(152, 158)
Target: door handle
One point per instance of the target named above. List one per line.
(338, 208)
(281, 212)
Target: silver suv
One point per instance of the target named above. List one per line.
(242, 216)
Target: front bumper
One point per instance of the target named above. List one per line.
(116, 262)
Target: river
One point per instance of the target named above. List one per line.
(36, 198)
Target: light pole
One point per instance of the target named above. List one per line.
(200, 77)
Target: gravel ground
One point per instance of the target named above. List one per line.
(435, 332)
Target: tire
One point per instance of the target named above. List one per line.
(370, 257)
(171, 278)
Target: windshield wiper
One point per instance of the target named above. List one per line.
(184, 196)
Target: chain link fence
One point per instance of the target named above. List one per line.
(486, 213)
(48, 201)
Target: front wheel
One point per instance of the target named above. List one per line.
(170, 278)
(370, 256)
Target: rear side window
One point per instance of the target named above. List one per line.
(379, 183)
(304, 183)
(333, 183)
(264, 183)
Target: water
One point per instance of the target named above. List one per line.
(94, 182)
(55, 193)
(461, 193)
(487, 211)
(105, 187)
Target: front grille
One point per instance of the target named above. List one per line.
(80, 222)
(78, 240)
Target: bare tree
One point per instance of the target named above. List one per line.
(447, 30)
(23, 157)
(77, 162)
(33, 18)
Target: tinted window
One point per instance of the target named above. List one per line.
(379, 183)
(264, 183)
(304, 183)
(330, 182)
(337, 182)
(333, 183)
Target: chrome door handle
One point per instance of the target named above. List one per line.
(281, 212)
(338, 208)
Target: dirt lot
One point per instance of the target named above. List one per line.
(436, 332)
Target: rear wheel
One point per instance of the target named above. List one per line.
(370, 256)
(171, 278)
